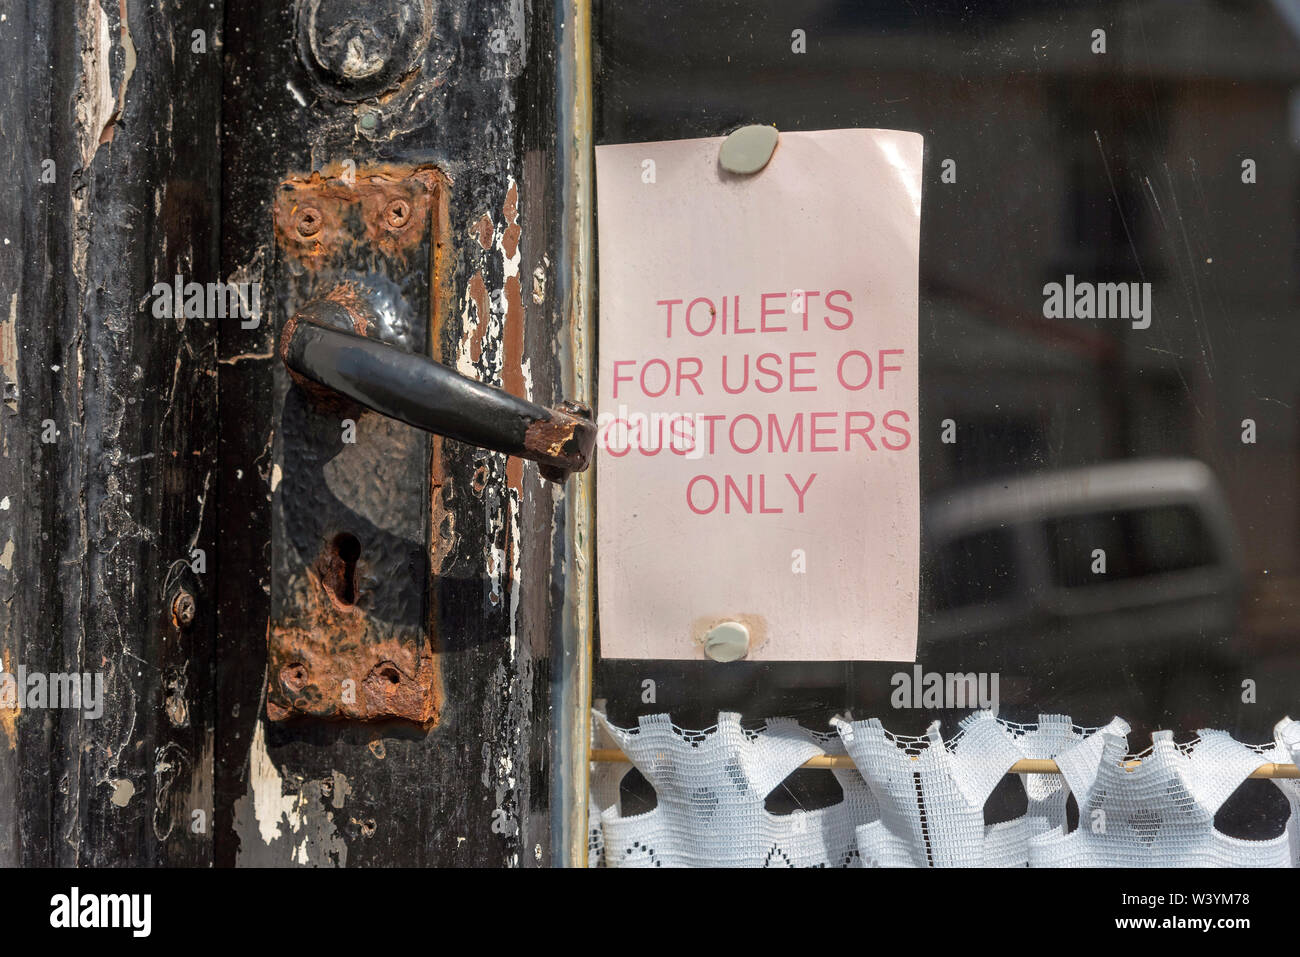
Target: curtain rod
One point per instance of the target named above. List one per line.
(1267, 769)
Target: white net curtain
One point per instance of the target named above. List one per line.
(920, 801)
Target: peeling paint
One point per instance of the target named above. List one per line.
(513, 379)
(340, 791)
(271, 806)
(297, 827)
(175, 704)
(539, 286)
(123, 791)
(491, 348)
(9, 354)
(128, 68)
(96, 101)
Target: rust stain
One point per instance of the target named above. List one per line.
(485, 230)
(319, 215)
(327, 658)
(183, 610)
(442, 537)
(9, 716)
(478, 294)
(564, 440)
(512, 365)
(349, 296)
(442, 518)
(331, 642)
(362, 318)
(510, 239)
(442, 268)
(282, 348)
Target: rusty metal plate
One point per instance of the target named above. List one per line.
(352, 633)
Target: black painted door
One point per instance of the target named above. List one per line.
(175, 503)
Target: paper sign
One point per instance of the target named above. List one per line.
(757, 451)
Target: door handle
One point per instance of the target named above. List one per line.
(326, 346)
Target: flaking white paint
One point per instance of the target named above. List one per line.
(271, 806)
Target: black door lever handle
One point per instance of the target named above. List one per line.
(324, 344)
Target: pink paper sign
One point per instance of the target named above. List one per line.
(757, 455)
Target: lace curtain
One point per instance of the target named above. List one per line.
(919, 801)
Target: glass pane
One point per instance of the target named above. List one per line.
(1162, 436)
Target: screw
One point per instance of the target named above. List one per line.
(369, 120)
(308, 222)
(293, 677)
(183, 609)
(397, 213)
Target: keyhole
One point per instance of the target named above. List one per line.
(342, 576)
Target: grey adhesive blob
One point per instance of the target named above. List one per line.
(728, 641)
(748, 149)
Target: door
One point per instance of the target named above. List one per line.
(324, 637)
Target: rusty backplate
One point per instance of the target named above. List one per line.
(319, 219)
(352, 632)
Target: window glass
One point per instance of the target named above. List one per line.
(1162, 436)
